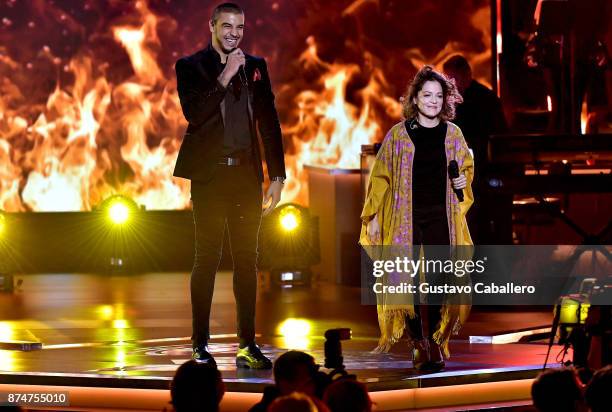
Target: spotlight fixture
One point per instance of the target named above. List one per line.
(289, 218)
(289, 245)
(579, 318)
(120, 224)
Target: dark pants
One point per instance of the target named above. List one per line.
(430, 227)
(231, 199)
(490, 218)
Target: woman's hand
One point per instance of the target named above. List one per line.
(459, 182)
(373, 230)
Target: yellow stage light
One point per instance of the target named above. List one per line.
(289, 218)
(573, 311)
(118, 213)
(118, 209)
(106, 312)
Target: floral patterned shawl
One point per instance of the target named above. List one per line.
(389, 195)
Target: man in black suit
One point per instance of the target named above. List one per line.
(479, 116)
(226, 97)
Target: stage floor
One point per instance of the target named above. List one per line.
(148, 365)
(132, 331)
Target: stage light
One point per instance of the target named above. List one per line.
(106, 312)
(578, 319)
(118, 209)
(120, 224)
(119, 213)
(574, 311)
(289, 245)
(289, 217)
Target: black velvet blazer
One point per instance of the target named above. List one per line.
(201, 97)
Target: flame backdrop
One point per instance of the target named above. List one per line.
(88, 102)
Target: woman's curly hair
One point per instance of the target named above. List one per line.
(450, 93)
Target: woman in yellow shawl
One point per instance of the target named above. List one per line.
(411, 201)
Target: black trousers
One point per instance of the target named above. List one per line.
(231, 199)
(430, 227)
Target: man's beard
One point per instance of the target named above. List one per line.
(228, 50)
(220, 41)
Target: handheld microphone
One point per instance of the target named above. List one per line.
(242, 74)
(241, 71)
(453, 173)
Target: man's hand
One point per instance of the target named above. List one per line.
(274, 195)
(459, 182)
(373, 230)
(234, 60)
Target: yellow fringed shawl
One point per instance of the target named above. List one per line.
(389, 195)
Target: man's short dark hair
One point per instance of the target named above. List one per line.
(196, 386)
(289, 365)
(597, 393)
(347, 395)
(225, 8)
(556, 390)
(458, 64)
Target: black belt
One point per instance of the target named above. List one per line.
(233, 161)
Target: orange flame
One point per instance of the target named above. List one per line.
(328, 130)
(136, 42)
(478, 60)
(75, 152)
(71, 158)
(584, 116)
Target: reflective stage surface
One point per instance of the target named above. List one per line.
(133, 331)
